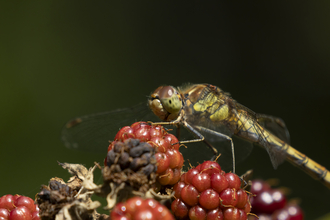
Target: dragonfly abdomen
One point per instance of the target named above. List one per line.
(308, 165)
(278, 150)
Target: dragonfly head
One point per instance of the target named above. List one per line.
(166, 103)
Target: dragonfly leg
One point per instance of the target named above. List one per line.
(190, 128)
(226, 137)
(200, 138)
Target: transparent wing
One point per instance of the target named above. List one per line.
(274, 125)
(203, 152)
(260, 135)
(93, 132)
(242, 148)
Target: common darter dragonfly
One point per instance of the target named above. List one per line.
(207, 112)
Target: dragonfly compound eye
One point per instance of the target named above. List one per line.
(169, 97)
(157, 108)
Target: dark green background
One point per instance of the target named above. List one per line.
(60, 59)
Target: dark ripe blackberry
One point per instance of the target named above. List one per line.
(124, 160)
(132, 162)
(44, 194)
(131, 153)
(53, 197)
(55, 185)
(137, 163)
(111, 157)
(141, 149)
(150, 168)
(118, 147)
(56, 191)
(62, 188)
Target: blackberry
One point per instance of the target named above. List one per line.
(18, 208)
(207, 192)
(270, 203)
(52, 198)
(169, 159)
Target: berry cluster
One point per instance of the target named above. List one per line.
(137, 208)
(271, 203)
(18, 208)
(207, 192)
(169, 159)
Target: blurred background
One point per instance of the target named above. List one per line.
(64, 59)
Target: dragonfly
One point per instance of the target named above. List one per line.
(210, 114)
(206, 108)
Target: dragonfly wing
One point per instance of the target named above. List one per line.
(242, 148)
(93, 132)
(202, 152)
(267, 140)
(277, 156)
(274, 125)
(261, 129)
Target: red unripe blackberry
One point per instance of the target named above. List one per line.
(20, 213)
(231, 214)
(219, 182)
(242, 199)
(178, 188)
(27, 202)
(207, 192)
(229, 197)
(210, 167)
(176, 176)
(189, 195)
(197, 213)
(18, 208)
(189, 175)
(4, 213)
(7, 202)
(137, 208)
(233, 181)
(215, 214)
(201, 181)
(165, 177)
(163, 162)
(180, 209)
(209, 199)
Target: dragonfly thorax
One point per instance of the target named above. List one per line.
(166, 103)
